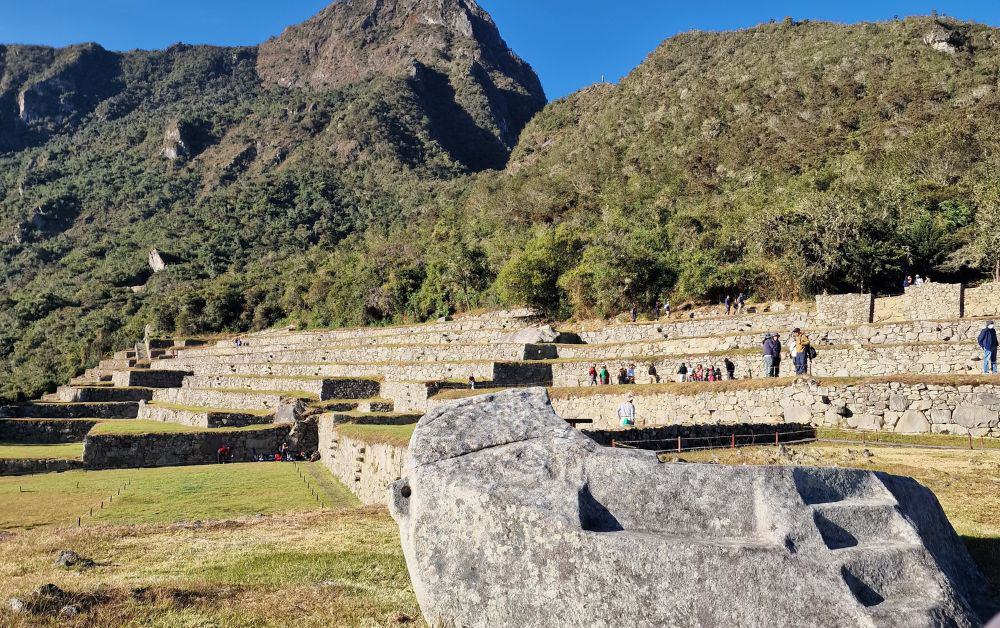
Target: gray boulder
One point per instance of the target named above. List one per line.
(510, 517)
(533, 336)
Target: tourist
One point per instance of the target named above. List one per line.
(918, 281)
(222, 455)
(592, 375)
(988, 343)
(635, 313)
(472, 382)
(666, 308)
(630, 374)
(699, 374)
(907, 282)
(730, 369)
(654, 377)
(803, 351)
(772, 354)
(656, 310)
(728, 304)
(605, 376)
(741, 302)
(626, 413)
(682, 373)
(710, 377)
(283, 451)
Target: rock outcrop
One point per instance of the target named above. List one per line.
(478, 92)
(508, 516)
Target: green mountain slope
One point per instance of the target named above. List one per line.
(781, 160)
(235, 177)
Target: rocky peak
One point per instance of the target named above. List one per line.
(944, 38)
(450, 50)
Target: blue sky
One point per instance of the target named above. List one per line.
(570, 43)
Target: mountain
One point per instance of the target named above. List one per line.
(387, 161)
(230, 161)
(477, 93)
(781, 160)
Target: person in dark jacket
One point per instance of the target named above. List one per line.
(772, 355)
(988, 343)
(730, 368)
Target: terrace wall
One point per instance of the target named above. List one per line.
(367, 469)
(891, 406)
(118, 451)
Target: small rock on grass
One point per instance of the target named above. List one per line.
(68, 559)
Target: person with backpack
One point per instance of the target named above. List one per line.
(988, 343)
(653, 375)
(682, 373)
(592, 375)
(605, 376)
(803, 352)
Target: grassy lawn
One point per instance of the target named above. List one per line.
(398, 435)
(140, 426)
(336, 568)
(165, 495)
(934, 440)
(967, 483)
(201, 410)
(66, 451)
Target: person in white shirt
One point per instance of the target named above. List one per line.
(918, 281)
(626, 413)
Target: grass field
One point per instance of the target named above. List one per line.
(140, 426)
(66, 451)
(398, 435)
(336, 568)
(165, 495)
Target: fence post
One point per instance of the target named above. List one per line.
(732, 442)
(776, 437)
(612, 443)
(678, 444)
(970, 441)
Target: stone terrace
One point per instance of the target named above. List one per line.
(276, 380)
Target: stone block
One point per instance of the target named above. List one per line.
(974, 416)
(912, 422)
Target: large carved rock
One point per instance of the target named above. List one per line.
(508, 516)
(533, 335)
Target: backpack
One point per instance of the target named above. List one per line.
(810, 352)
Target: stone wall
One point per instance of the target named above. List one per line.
(80, 394)
(30, 467)
(934, 302)
(890, 309)
(114, 451)
(44, 431)
(413, 371)
(367, 469)
(164, 375)
(356, 388)
(702, 436)
(842, 361)
(113, 410)
(698, 327)
(891, 406)
(407, 396)
(982, 301)
(844, 309)
(381, 353)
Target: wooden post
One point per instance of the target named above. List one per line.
(970, 441)
(678, 444)
(732, 443)
(775, 438)
(612, 443)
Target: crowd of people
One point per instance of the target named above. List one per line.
(626, 375)
(224, 455)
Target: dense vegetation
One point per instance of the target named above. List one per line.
(781, 160)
